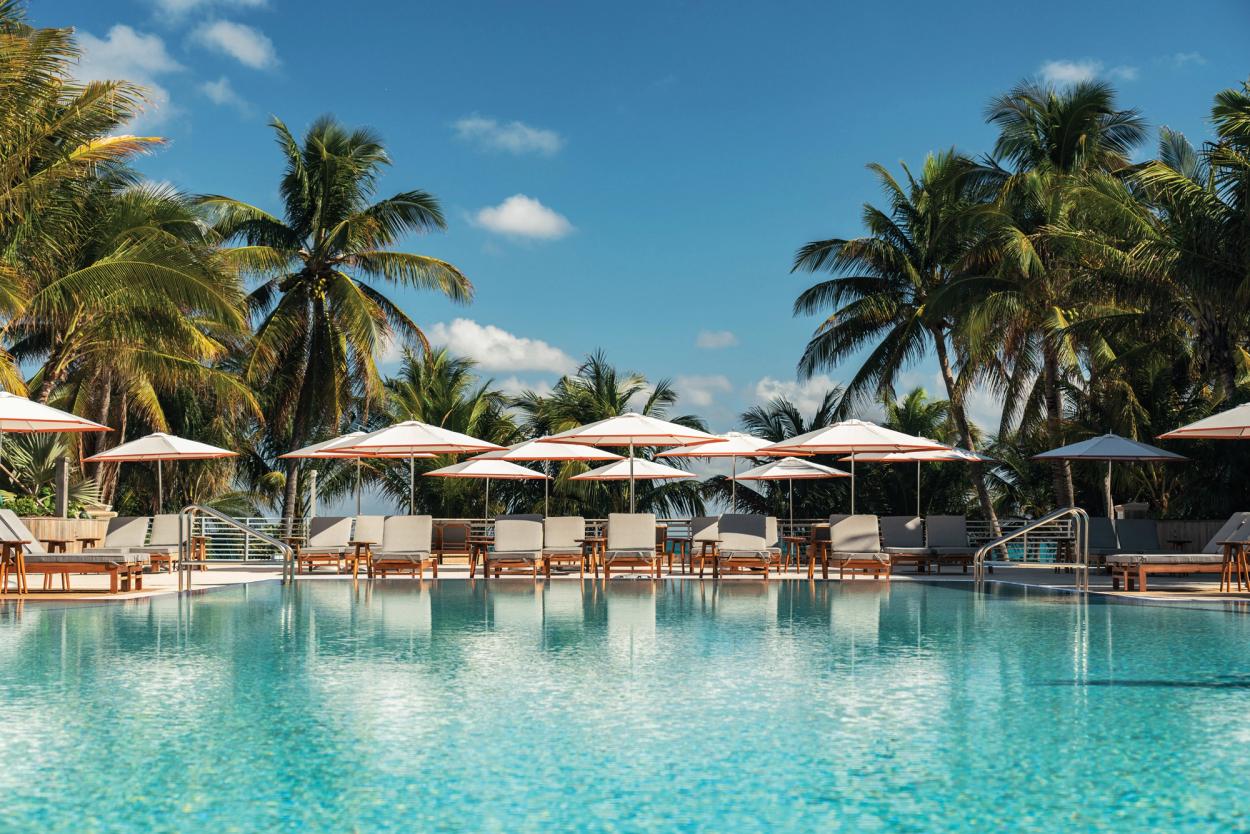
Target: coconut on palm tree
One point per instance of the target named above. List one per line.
(323, 265)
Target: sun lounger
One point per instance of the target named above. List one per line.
(902, 536)
(366, 535)
(1137, 535)
(518, 546)
(406, 547)
(124, 568)
(1130, 568)
(452, 539)
(327, 543)
(704, 535)
(127, 534)
(562, 543)
(855, 547)
(744, 546)
(947, 540)
(1103, 541)
(631, 543)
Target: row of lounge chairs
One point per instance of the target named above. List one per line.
(131, 544)
(1130, 549)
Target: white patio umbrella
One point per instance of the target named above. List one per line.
(852, 437)
(332, 449)
(1111, 448)
(411, 439)
(953, 454)
(732, 445)
(632, 430)
(791, 469)
(542, 450)
(23, 416)
(160, 447)
(631, 469)
(1233, 424)
(477, 468)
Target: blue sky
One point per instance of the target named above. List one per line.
(634, 178)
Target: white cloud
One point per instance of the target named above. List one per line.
(522, 216)
(181, 8)
(515, 386)
(700, 391)
(715, 339)
(513, 137)
(246, 45)
(496, 349)
(130, 55)
(1184, 59)
(806, 395)
(222, 92)
(1087, 69)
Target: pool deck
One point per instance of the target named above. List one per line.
(1204, 587)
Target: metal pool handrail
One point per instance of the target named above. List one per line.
(186, 521)
(1081, 537)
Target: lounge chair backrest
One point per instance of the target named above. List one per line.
(18, 531)
(902, 531)
(524, 516)
(631, 531)
(165, 530)
(407, 534)
(946, 530)
(454, 535)
(127, 531)
(1137, 535)
(563, 531)
(329, 531)
(1102, 534)
(1235, 529)
(855, 534)
(772, 533)
(368, 528)
(742, 531)
(704, 529)
(515, 533)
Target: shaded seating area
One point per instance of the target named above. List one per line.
(631, 544)
(902, 537)
(24, 554)
(1223, 554)
(327, 544)
(947, 540)
(518, 546)
(855, 547)
(745, 545)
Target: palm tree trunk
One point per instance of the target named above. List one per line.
(1061, 470)
(956, 397)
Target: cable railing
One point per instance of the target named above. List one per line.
(1076, 518)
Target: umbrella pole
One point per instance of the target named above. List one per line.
(160, 489)
(486, 508)
(412, 485)
(357, 486)
(917, 489)
(733, 490)
(631, 476)
(791, 480)
(852, 483)
(546, 488)
(1107, 491)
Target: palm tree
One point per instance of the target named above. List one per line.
(1048, 140)
(597, 391)
(320, 324)
(894, 288)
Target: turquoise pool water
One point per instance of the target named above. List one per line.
(679, 706)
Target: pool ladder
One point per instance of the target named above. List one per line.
(186, 522)
(1080, 563)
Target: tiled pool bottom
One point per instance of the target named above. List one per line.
(677, 706)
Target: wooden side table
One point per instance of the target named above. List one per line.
(478, 545)
(13, 553)
(596, 546)
(363, 551)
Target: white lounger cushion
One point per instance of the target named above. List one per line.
(561, 534)
(947, 535)
(743, 535)
(856, 535)
(406, 536)
(1165, 559)
(328, 534)
(368, 529)
(517, 537)
(128, 531)
(902, 534)
(19, 532)
(631, 534)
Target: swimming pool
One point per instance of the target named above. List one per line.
(736, 706)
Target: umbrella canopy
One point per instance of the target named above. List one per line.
(158, 447)
(1111, 447)
(487, 469)
(633, 469)
(411, 439)
(853, 437)
(632, 429)
(732, 445)
(1233, 424)
(542, 450)
(333, 449)
(953, 454)
(791, 469)
(18, 414)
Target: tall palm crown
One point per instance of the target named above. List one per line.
(321, 323)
